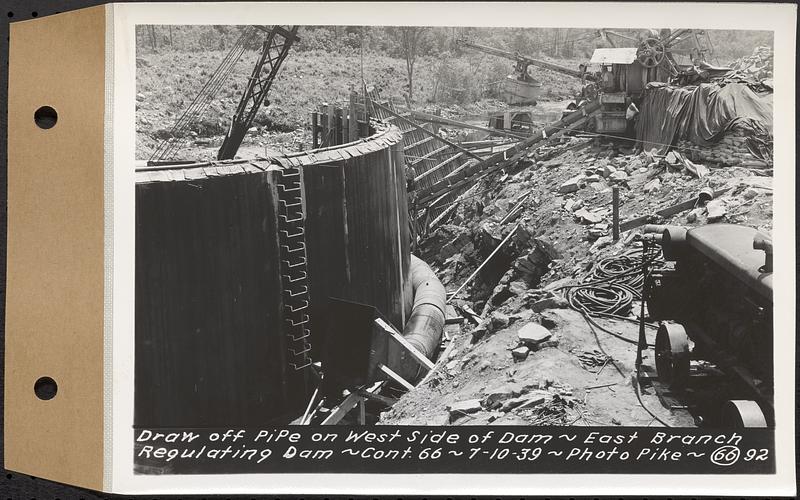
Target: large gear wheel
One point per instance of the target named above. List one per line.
(651, 53)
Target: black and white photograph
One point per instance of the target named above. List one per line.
(407, 225)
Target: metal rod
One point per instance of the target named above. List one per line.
(642, 344)
(485, 262)
(308, 408)
(615, 212)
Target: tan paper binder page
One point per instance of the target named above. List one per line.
(54, 308)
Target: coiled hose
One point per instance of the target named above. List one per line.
(612, 286)
(609, 291)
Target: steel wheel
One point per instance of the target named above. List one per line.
(672, 355)
(651, 53)
(740, 413)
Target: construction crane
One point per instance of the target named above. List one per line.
(654, 49)
(274, 50)
(277, 40)
(522, 62)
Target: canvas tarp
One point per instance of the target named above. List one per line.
(702, 114)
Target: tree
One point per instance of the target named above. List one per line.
(410, 38)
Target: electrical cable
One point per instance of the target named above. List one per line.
(641, 403)
(610, 289)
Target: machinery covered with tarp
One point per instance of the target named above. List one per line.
(701, 114)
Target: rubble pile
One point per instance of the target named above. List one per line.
(758, 66)
(523, 355)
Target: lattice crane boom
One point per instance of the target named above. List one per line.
(277, 43)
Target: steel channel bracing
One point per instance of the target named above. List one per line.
(294, 274)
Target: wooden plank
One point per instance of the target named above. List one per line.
(397, 378)
(419, 143)
(427, 156)
(452, 206)
(443, 359)
(425, 131)
(438, 120)
(437, 167)
(664, 212)
(398, 337)
(342, 410)
(376, 397)
(502, 159)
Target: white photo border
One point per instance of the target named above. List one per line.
(120, 76)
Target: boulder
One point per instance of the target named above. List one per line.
(608, 170)
(520, 353)
(556, 302)
(571, 185)
(480, 331)
(592, 179)
(652, 186)
(750, 193)
(532, 334)
(499, 320)
(495, 397)
(716, 210)
(618, 176)
(587, 217)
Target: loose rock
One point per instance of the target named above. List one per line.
(532, 334)
(520, 353)
(464, 408)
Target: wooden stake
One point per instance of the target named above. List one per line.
(314, 130)
(353, 120)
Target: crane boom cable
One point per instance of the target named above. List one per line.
(204, 97)
(199, 105)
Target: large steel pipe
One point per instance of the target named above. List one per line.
(423, 330)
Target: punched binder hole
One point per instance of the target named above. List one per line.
(34, 13)
(10, 14)
(45, 117)
(45, 388)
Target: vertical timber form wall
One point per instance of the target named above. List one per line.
(234, 260)
(429, 158)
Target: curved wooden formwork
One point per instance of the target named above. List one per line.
(236, 259)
